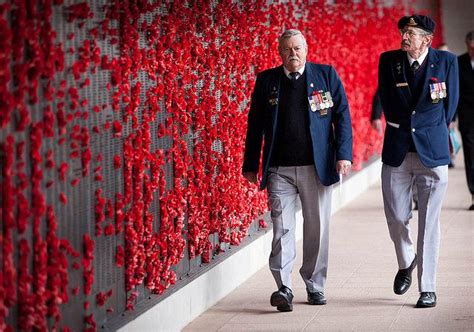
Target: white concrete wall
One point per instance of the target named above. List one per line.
(458, 19)
(176, 311)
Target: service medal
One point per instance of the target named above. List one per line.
(319, 101)
(331, 104)
(443, 87)
(312, 103)
(434, 91)
(326, 96)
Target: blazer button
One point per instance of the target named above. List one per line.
(413, 130)
(413, 113)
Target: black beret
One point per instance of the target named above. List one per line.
(417, 21)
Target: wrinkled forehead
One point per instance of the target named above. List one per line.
(296, 40)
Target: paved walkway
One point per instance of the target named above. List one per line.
(362, 266)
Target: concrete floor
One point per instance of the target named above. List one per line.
(362, 266)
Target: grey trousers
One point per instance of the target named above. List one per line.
(431, 184)
(284, 185)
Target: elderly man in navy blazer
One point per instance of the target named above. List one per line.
(300, 111)
(418, 87)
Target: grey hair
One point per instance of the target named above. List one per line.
(469, 36)
(423, 32)
(290, 33)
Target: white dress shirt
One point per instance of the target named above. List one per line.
(420, 59)
(287, 72)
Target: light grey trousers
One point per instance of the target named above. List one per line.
(284, 186)
(431, 184)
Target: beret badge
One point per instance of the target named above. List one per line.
(412, 22)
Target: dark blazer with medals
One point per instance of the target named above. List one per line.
(330, 129)
(425, 119)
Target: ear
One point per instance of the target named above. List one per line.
(428, 39)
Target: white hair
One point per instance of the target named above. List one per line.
(290, 33)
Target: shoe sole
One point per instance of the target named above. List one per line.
(317, 302)
(286, 308)
(280, 303)
(425, 305)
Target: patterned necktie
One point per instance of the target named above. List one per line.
(415, 65)
(294, 76)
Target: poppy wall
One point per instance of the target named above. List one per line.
(122, 128)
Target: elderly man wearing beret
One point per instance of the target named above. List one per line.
(418, 88)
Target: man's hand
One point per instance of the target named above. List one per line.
(377, 125)
(251, 176)
(343, 167)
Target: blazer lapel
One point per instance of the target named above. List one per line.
(431, 70)
(310, 80)
(274, 96)
(401, 83)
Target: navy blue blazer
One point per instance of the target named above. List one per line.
(427, 122)
(331, 134)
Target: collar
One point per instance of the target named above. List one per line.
(420, 59)
(300, 71)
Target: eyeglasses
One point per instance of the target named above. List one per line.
(410, 33)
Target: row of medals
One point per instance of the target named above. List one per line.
(324, 102)
(438, 91)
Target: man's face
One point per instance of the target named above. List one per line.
(470, 48)
(293, 53)
(413, 40)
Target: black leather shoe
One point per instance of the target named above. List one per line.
(471, 208)
(316, 298)
(426, 300)
(403, 279)
(282, 299)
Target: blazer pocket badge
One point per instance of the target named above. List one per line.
(273, 97)
(438, 91)
(320, 101)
